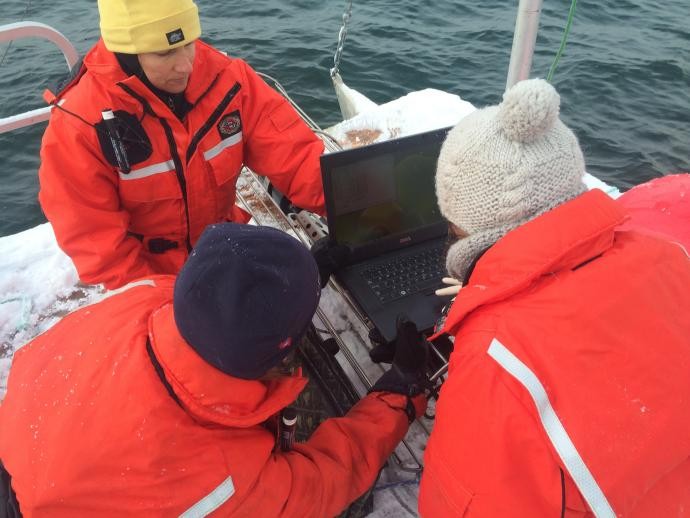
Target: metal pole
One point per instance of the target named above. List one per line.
(526, 28)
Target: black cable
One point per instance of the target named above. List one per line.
(9, 45)
(98, 130)
(7, 49)
(78, 117)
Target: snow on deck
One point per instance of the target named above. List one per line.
(415, 112)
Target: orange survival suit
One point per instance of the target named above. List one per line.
(111, 413)
(568, 389)
(660, 207)
(117, 226)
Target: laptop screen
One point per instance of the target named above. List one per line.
(384, 191)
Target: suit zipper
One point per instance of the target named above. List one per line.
(212, 120)
(179, 171)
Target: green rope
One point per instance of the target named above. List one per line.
(23, 318)
(571, 15)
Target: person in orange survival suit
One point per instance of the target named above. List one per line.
(154, 402)
(567, 389)
(660, 207)
(146, 143)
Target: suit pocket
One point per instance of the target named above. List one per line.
(151, 183)
(440, 494)
(225, 159)
(283, 117)
(152, 196)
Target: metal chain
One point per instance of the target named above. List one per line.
(341, 39)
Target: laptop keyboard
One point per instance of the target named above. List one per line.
(403, 276)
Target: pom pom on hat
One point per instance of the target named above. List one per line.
(504, 165)
(528, 110)
(245, 296)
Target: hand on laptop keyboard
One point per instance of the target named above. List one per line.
(453, 287)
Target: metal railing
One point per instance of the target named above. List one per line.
(15, 31)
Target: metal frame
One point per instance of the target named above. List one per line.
(524, 41)
(15, 31)
(252, 195)
(298, 223)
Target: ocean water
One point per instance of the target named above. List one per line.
(624, 78)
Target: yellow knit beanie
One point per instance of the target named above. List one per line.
(137, 26)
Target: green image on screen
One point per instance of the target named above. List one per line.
(387, 195)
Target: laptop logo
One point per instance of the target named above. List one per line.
(405, 239)
(175, 36)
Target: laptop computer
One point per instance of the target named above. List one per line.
(381, 204)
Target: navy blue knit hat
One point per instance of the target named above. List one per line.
(245, 296)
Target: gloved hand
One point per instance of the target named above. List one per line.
(383, 351)
(407, 374)
(329, 257)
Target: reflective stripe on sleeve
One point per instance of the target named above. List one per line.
(557, 433)
(225, 143)
(136, 174)
(212, 501)
(117, 291)
(133, 284)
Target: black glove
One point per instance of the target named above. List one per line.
(407, 375)
(383, 351)
(329, 256)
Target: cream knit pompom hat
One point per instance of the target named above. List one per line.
(504, 165)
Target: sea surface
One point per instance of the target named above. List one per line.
(624, 77)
